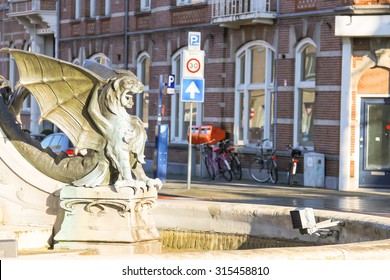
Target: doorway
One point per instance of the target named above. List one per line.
(374, 143)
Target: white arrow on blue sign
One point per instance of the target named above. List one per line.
(192, 90)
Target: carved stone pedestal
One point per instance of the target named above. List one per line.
(109, 221)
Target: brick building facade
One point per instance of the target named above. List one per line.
(294, 72)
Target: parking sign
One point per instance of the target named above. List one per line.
(194, 41)
(171, 84)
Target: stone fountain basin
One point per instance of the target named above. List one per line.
(361, 236)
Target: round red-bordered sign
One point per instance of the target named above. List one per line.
(193, 65)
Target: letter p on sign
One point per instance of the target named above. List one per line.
(194, 41)
(171, 84)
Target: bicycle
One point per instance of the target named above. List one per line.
(219, 165)
(207, 152)
(293, 164)
(263, 167)
(233, 160)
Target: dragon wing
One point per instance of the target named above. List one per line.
(62, 90)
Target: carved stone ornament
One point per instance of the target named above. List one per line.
(105, 197)
(89, 105)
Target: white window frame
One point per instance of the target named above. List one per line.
(145, 5)
(188, 2)
(92, 8)
(175, 99)
(77, 7)
(301, 85)
(140, 97)
(99, 58)
(107, 11)
(246, 87)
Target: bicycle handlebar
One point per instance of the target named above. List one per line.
(207, 143)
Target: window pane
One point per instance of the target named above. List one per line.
(242, 69)
(309, 63)
(271, 132)
(256, 116)
(307, 102)
(258, 65)
(145, 68)
(377, 148)
(242, 121)
(178, 72)
(187, 116)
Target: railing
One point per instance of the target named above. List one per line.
(32, 5)
(229, 8)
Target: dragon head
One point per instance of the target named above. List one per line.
(121, 90)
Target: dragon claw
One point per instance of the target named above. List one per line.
(135, 184)
(156, 183)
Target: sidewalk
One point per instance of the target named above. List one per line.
(368, 201)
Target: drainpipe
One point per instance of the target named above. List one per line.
(276, 72)
(126, 51)
(57, 35)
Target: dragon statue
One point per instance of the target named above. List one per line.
(89, 104)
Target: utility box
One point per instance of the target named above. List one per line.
(314, 170)
(203, 134)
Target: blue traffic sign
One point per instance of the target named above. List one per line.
(192, 90)
(194, 41)
(171, 81)
(171, 84)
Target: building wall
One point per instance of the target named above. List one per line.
(163, 31)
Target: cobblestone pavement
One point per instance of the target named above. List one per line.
(368, 201)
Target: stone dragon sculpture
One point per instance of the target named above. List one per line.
(89, 105)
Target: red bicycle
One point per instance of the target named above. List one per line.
(217, 165)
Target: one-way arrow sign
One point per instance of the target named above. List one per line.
(192, 90)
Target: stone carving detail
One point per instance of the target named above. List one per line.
(89, 105)
(70, 205)
(106, 197)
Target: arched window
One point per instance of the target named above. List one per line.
(76, 61)
(304, 93)
(253, 97)
(180, 111)
(143, 74)
(101, 58)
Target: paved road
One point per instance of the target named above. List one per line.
(368, 201)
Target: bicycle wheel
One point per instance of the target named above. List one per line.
(210, 167)
(236, 167)
(258, 170)
(274, 176)
(224, 170)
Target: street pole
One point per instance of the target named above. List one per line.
(189, 170)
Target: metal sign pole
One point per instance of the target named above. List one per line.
(192, 85)
(159, 116)
(189, 171)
